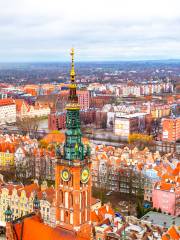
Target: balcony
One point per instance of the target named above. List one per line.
(76, 162)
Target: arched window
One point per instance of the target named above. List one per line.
(61, 196)
(66, 217)
(83, 199)
(71, 180)
(70, 200)
(83, 216)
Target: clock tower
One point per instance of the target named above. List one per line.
(73, 171)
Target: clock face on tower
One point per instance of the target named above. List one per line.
(85, 175)
(65, 175)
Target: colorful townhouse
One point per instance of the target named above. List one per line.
(166, 196)
(9, 153)
(7, 150)
(24, 110)
(20, 199)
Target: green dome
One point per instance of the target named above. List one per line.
(8, 214)
(8, 211)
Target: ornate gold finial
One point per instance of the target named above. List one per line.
(72, 74)
(73, 98)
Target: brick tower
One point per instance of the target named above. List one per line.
(73, 171)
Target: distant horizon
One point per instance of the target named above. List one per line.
(92, 61)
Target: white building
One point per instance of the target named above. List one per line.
(7, 111)
(127, 124)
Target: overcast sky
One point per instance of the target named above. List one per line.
(45, 30)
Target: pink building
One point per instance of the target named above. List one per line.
(166, 196)
(83, 98)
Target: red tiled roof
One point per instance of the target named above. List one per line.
(166, 186)
(94, 217)
(19, 103)
(6, 146)
(7, 101)
(165, 237)
(50, 194)
(31, 228)
(29, 189)
(173, 233)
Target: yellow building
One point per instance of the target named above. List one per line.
(20, 199)
(7, 150)
(160, 111)
(6, 159)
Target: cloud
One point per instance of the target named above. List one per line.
(45, 30)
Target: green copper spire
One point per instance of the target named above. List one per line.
(73, 147)
(36, 203)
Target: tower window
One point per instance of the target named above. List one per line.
(70, 200)
(83, 216)
(66, 217)
(61, 196)
(71, 180)
(83, 199)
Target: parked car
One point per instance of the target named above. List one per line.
(109, 193)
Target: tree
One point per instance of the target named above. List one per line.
(23, 173)
(28, 126)
(43, 144)
(141, 140)
(139, 209)
(159, 210)
(99, 193)
(103, 123)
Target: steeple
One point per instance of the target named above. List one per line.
(73, 147)
(73, 170)
(73, 98)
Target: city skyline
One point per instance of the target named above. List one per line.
(34, 31)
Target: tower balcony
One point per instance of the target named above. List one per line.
(75, 162)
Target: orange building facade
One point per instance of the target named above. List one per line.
(171, 129)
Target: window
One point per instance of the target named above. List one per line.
(70, 199)
(66, 217)
(83, 217)
(83, 204)
(61, 196)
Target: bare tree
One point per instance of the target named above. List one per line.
(28, 126)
